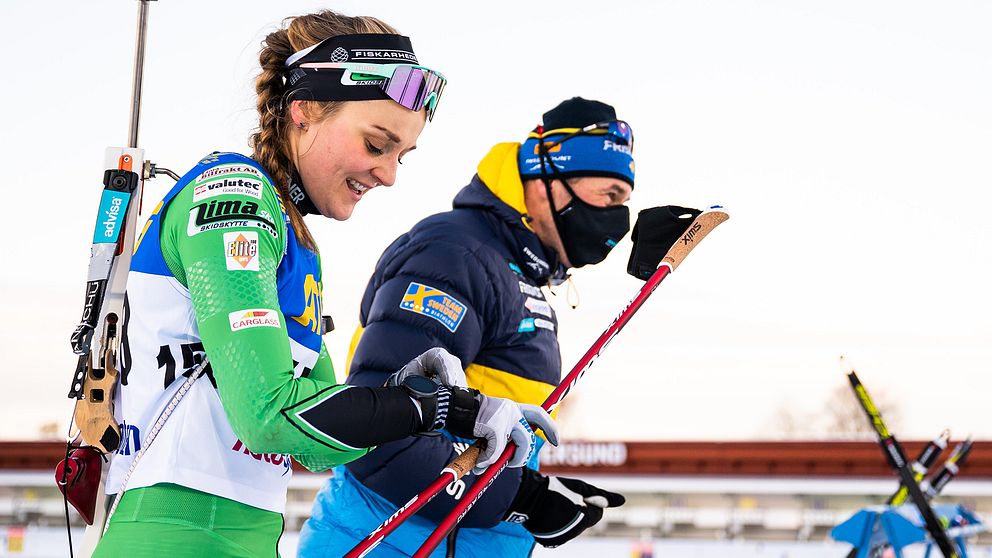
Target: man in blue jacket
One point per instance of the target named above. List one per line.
(470, 280)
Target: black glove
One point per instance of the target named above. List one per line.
(657, 229)
(556, 509)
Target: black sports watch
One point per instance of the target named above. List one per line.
(425, 391)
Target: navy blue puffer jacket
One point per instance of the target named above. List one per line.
(468, 280)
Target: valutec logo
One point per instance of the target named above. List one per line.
(253, 317)
(220, 186)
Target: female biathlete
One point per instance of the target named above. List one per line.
(226, 273)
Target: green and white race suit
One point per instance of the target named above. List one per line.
(218, 271)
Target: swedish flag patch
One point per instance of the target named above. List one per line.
(433, 303)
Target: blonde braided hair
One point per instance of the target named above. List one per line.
(270, 143)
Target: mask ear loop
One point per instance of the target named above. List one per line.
(546, 179)
(555, 171)
(572, 289)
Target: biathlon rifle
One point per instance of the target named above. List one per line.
(97, 338)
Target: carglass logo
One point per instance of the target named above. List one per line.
(253, 317)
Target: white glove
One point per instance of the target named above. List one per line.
(500, 420)
(436, 364)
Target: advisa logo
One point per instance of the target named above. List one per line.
(241, 250)
(113, 206)
(112, 213)
(253, 317)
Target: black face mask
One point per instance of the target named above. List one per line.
(587, 232)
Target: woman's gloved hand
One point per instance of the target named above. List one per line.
(436, 364)
(499, 419)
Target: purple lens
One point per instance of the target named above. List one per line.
(414, 88)
(405, 87)
(621, 130)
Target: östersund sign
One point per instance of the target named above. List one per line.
(585, 454)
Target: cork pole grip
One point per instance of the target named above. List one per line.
(700, 227)
(464, 462)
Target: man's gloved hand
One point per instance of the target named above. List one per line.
(497, 420)
(468, 414)
(436, 364)
(556, 509)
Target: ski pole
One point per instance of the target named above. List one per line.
(897, 460)
(685, 240)
(931, 487)
(927, 457)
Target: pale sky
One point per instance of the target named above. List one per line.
(849, 140)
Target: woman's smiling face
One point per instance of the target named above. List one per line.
(354, 149)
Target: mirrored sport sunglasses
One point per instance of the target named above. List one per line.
(414, 87)
(619, 129)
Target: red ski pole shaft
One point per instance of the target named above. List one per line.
(454, 471)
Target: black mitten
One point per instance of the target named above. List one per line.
(655, 231)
